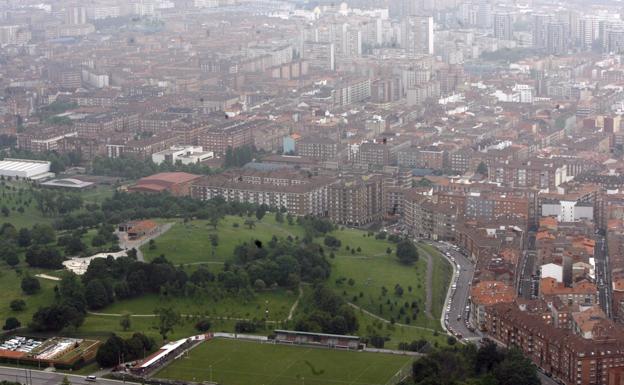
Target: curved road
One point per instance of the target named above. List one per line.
(458, 298)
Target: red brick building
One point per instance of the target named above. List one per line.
(176, 183)
(568, 357)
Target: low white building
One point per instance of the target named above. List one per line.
(183, 154)
(24, 168)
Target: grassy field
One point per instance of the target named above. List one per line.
(441, 279)
(189, 242)
(16, 194)
(362, 277)
(10, 280)
(233, 362)
(278, 302)
(101, 327)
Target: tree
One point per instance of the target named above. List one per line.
(167, 319)
(406, 252)
(18, 305)
(74, 245)
(125, 322)
(260, 212)
(24, 237)
(110, 352)
(482, 169)
(203, 325)
(43, 234)
(516, 369)
(279, 217)
(65, 381)
(8, 250)
(11, 323)
(96, 295)
(214, 242)
(5, 211)
(152, 244)
(377, 341)
(30, 285)
(333, 242)
(214, 220)
(56, 317)
(46, 257)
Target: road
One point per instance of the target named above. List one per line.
(458, 316)
(525, 284)
(37, 377)
(603, 276)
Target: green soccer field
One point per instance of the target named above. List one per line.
(235, 362)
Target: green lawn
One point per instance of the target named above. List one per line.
(395, 334)
(234, 362)
(14, 195)
(278, 302)
(372, 269)
(441, 279)
(190, 243)
(10, 281)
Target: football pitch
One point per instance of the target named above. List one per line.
(236, 362)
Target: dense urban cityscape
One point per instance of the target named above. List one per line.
(367, 192)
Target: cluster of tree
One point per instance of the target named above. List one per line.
(51, 202)
(314, 227)
(131, 168)
(123, 206)
(406, 252)
(249, 326)
(326, 312)
(117, 350)
(463, 365)
(109, 279)
(414, 346)
(36, 239)
(68, 309)
(240, 156)
(280, 262)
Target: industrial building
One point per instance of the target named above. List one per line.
(25, 168)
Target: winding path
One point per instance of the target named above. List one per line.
(375, 316)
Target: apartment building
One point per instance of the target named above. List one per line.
(563, 354)
(319, 148)
(426, 219)
(356, 201)
(230, 135)
(297, 193)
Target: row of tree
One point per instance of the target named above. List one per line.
(469, 365)
(323, 311)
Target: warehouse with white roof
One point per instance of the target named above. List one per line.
(25, 168)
